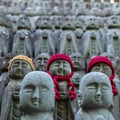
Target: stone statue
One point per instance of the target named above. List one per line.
(18, 67)
(44, 42)
(93, 43)
(97, 97)
(112, 35)
(5, 34)
(41, 61)
(104, 65)
(60, 67)
(22, 42)
(4, 78)
(31, 13)
(57, 30)
(37, 96)
(79, 33)
(13, 15)
(68, 44)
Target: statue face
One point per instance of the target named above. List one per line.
(19, 69)
(76, 79)
(41, 62)
(24, 22)
(60, 67)
(37, 92)
(77, 61)
(102, 67)
(96, 91)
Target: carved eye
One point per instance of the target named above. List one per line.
(43, 88)
(29, 88)
(91, 86)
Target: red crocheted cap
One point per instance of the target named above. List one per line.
(60, 56)
(103, 59)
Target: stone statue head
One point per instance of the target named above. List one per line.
(101, 64)
(68, 23)
(76, 78)
(91, 23)
(113, 22)
(41, 61)
(24, 22)
(60, 65)
(43, 22)
(19, 66)
(37, 92)
(78, 61)
(96, 91)
(104, 65)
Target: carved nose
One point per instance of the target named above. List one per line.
(61, 66)
(98, 93)
(42, 62)
(36, 94)
(101, 70)
(20, 66)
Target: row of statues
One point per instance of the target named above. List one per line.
(41, 95)
(24, 33)
(89, 36)
(71, 7)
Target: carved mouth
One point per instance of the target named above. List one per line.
(60, 72)
(35, 102)
(98, 98)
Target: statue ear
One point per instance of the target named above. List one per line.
(79, 95)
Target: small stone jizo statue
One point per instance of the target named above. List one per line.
(37, 96)
(97, 97)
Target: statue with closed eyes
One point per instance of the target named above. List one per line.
(18, 67)
(60, 67)
(96, 97)
(37, 96)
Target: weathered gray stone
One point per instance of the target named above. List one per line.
(37, 96)
(97, 97)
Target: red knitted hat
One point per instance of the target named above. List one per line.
(57, 78)
(100, 59)
(103, 59)
(60, 56)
